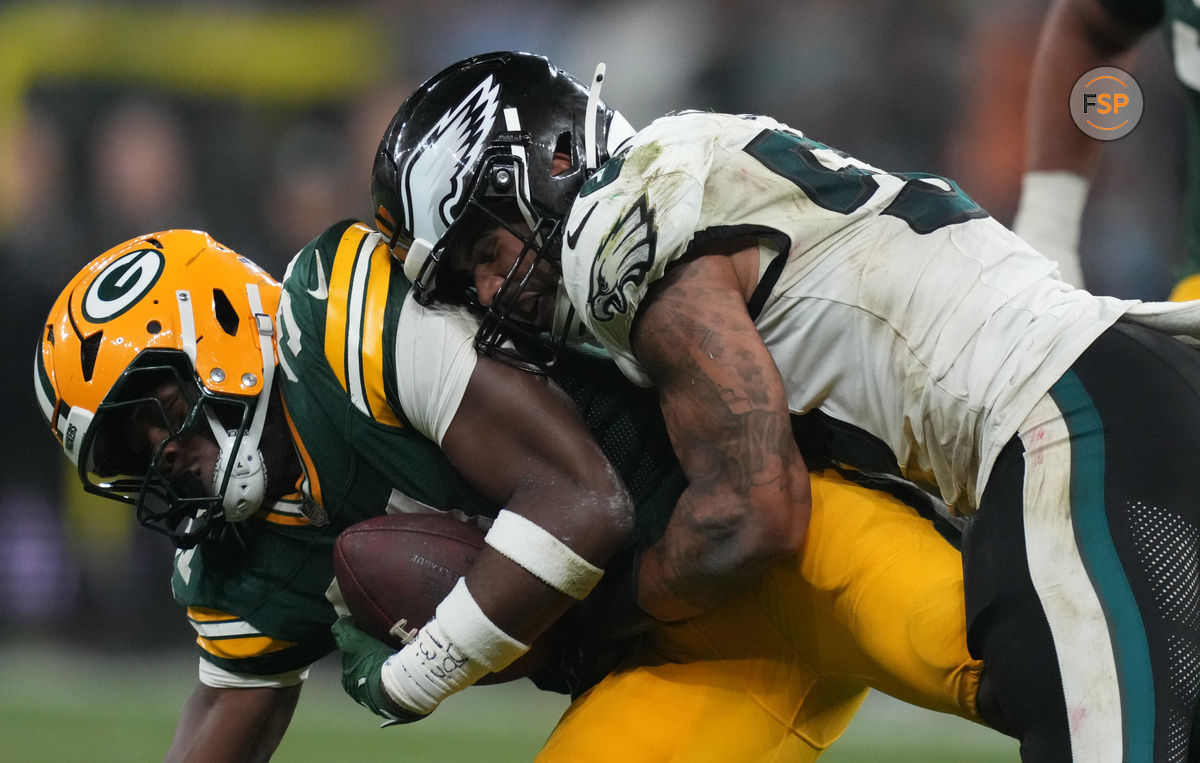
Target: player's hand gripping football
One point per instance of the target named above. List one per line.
(363, 656)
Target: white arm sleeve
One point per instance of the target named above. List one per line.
(1049, 217)
(435, 357)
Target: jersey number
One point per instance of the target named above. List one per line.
(926, 202)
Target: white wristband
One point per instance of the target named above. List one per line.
(455, 649)
(1049, 217)
(474, 633)
(546, 557)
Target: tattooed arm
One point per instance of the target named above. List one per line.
(747, 502)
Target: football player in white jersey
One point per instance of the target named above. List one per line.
(748, 273)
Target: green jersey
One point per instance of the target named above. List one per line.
(256, 599)
(370, 380)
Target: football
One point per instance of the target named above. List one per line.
(395, 569)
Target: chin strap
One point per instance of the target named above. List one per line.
(591, 153)
(247, 482)
(418, 270)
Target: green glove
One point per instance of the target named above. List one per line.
(363, 656)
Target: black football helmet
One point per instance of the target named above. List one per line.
(474, 148)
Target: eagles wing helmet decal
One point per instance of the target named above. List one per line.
(626, 256)
(433, 179)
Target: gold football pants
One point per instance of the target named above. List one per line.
(1187, 289)
(777, 673)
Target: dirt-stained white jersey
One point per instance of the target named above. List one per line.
(890, 301)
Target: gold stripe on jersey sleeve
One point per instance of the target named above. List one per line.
(240, 648)
(208, 615)
(338, 302)
(290, 520)
(287, 511)
(287, 519)
(310, 469)
(230, 636)
(374, 304)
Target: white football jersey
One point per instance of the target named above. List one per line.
(890, 301)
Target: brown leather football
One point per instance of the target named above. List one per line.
(395, 569)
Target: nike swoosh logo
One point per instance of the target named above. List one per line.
(573, 236)
(322, 290)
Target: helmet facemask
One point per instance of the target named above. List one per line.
(172, 501)
(500, 200)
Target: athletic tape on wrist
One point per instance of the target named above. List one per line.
(474, 633)
(427, 670)
(455, 649)
(543, 555)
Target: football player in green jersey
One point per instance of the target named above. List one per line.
(250, 423)
(159, 361)
(1078, 36)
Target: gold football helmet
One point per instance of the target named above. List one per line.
(174, 306)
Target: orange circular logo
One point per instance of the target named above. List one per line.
(1106, 103)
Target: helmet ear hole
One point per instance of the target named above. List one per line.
(563, 160)
(225, 313)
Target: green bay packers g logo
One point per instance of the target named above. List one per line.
(122, 285)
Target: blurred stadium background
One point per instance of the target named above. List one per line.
(258, 120)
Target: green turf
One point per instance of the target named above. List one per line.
(60, 706)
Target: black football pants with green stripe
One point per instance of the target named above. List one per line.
(1082, 565)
